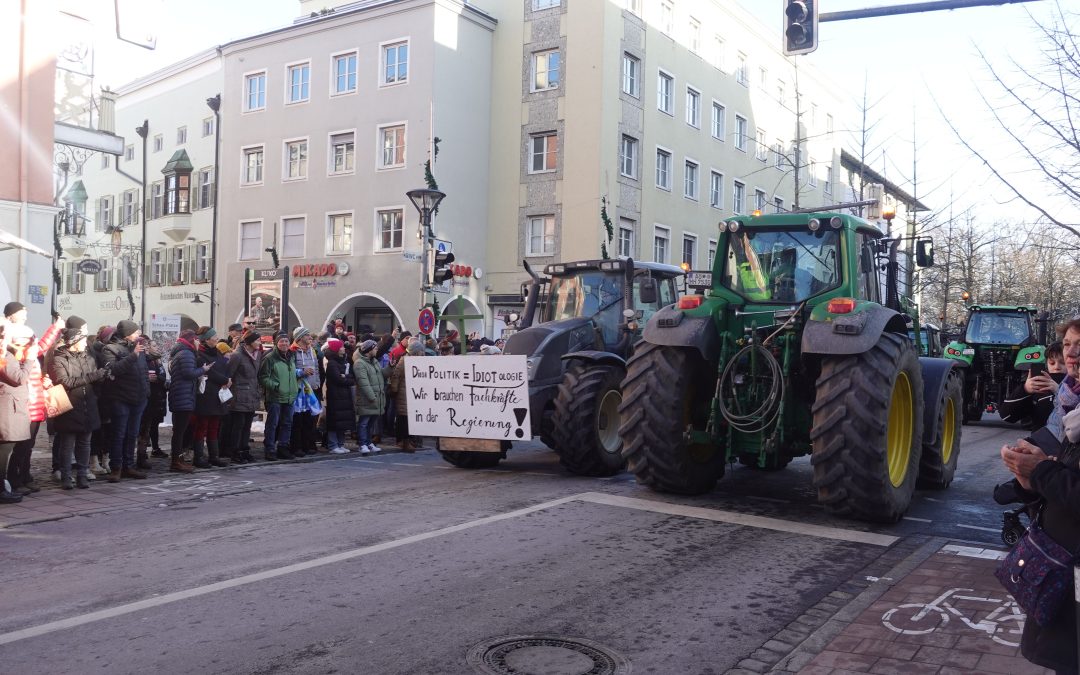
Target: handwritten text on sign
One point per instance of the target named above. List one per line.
(468, 396)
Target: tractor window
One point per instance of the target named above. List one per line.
(1002, 329)
(788, 265)
(665, 297)
(588, 294)
(868, 277)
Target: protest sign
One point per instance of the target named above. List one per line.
(468, 396)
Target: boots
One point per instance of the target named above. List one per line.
(178, 465)
(407, 446)
(114, 475)
(215, 455)
(96, 467)
(128, 472)
(143, 462)
(200, 456)
(6, 495)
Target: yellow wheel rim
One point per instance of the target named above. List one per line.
(948, 434)
(898, 435)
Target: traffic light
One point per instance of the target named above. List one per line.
(440, 267)
(800, 26)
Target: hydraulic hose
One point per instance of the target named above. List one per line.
(761, 418)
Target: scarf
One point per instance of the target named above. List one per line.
(1068, 397)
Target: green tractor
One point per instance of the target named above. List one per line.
(993, 338)
(795, 346)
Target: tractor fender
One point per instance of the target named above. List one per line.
(596, 357)
(853, 333)
(935, 373)
(672, 327)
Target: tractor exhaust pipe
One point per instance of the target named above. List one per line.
(533, 298)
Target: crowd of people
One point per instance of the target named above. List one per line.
(316, 391)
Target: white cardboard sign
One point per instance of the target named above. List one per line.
(468, 396)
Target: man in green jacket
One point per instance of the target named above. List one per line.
(278, 377)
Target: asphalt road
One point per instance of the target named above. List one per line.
(403, 564)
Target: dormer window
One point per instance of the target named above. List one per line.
(178, 184)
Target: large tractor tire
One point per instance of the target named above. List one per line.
(666, 392)
(868, 430)
(938, 464)
(471, 460)
(586, 421)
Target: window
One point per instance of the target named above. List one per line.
(344, 74)
(760, 200)
(660, 244)
(664, 86)
(392, 141)
(718, 52)
(293, 231)
(128, 200)
(253, 166)
(690, 180)
(763, 76)
(299, 87)
(631, 76)
(339, 229)
(251, 240)
(667, 17)
(663, 169)
(738, 198)
(255, 92)
(156, 271)
(342, 152)
(296, 157)
(390, 229)
(105, 214)
(716, 190)
(177, 193)
(829, 124)
(178, 265)
(693, 107)
(626, 237)
(207, 127)
(778, 154)
(541, 236)
(781, 94)
(778, 204)
(159, 142)
(741, 137)
(761, 147)
(181, 135)
(628, 156)
(205, 187)
(694, 37)
(537, 5)
(202, 262)
(712, 253)
(157, 199)
(545, 70)
(813, 116)
(634, 6)
(543, 152)
(395, 58)
(812, 173)
(76, 279)
(689, 250)
(719, 121)
(103, 279)
(741, 67)
(106, 160)
(123, 276)
(129, 153)
(828, 179)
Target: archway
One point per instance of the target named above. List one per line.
(365, 313)
(461, 305)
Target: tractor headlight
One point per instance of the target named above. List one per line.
(835, 222)
(814, 224)
(733, 226)
(532, 363)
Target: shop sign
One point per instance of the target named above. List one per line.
(329, 269)
(63, 302)
(107, 305)
(89, 266)
(314, 284)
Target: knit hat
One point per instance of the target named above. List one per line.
(452, 336)
(74, 330)
(223, 347)
(105, 333)
(251, 337)
(281, 336)
(205, 332)
(75, 322)
(13, 307)
(126, 328)
(415, 348)
(187, 335)
(299, 332)
(334, 345)
(367, 345)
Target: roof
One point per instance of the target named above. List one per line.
(178, 163)
(1002, 308)
(851, 161)
(76, 193)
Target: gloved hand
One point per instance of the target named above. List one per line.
(1071, 423)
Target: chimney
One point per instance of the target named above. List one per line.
(107, 111)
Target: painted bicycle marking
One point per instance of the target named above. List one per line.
(199, 485)
(1003, 624)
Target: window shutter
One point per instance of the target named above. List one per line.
(189, 276)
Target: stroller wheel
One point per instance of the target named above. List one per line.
(1011, 535)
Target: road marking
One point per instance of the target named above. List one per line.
(589, 497)
(918, 520)
(976, 527)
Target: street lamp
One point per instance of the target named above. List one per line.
(425, 201)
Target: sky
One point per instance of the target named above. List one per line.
(907, 61)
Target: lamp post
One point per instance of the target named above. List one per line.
(426, 202)
(143, 131)
(214, 103)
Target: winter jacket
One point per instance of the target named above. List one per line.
(370, 387)
(243, 370)
(339, 394)
(184, 374)
(14, 415)
(77, 372)
(156, 407)
(129, 384)
(277, 375)
(208, 402)
(37, 388)
(312, 358)
(1020, 405)
(397, 386)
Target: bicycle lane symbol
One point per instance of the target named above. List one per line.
(1003, 624)
(200, 485)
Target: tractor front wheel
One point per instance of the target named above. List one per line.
(666, 396)
(586, 422)
(868, 430)
(938, 465)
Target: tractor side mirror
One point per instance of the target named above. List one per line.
(924, 253)
(648, 291)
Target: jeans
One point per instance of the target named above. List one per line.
(126, 418)
(335, 438)
(19, 467)
(278, 426)
(74, 446)
(240, 431)
(364, 428)
(180, 421)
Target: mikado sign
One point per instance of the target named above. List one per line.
(468, 396)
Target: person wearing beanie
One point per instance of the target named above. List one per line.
(309, 368)
(243, 370)
(184, 373)
(340, 416)
(414, 348)
(99, 448)
(232, 339)
(14, 426)
(154, 413)
(125, 397)
(209, 408)
(15, 312)
(278, 377)
(19, 468)
(370, 396)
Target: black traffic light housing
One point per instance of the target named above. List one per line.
(440, 269)
(800, 26)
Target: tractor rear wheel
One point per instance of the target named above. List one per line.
(471, 460)
(938, 464)
(586, 421)
(868, 430)
(666, 394)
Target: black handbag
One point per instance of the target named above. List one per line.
(1038, 572)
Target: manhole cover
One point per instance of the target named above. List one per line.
(545, 655)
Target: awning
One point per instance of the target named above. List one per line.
(9, 241)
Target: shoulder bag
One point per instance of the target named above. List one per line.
(1038, 572)
(56, 401)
